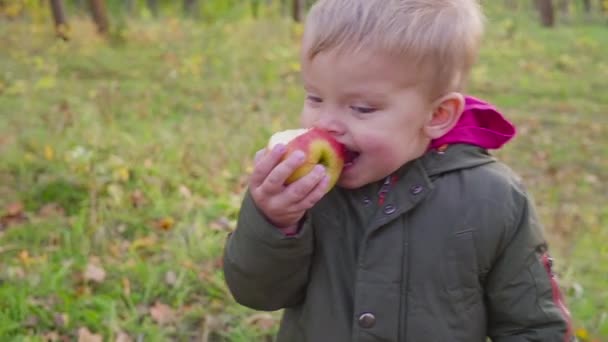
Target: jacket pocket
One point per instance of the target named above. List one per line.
(460, 269)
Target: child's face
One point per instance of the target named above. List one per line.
(371, 104)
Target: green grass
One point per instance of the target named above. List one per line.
(144, 142)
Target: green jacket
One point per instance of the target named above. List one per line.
(450, 250)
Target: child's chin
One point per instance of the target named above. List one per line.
(349, 182)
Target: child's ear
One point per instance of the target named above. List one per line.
(446, 112)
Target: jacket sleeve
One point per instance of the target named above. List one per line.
(524, 300)
(263, 268)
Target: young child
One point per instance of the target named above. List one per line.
(426, 237)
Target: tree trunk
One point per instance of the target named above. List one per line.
(298, 10)
(153, 7)
(61, 23)
(255, 8)
(564, 8)
(547, 12)
(100, 15)
(189, 7)
(130, 7)
(587, 6)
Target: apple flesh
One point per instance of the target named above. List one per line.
(320, 148)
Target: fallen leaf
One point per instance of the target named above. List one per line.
(61, 320)
(24, 257)
(51, 209)
(263, 321)
(165, 223)
(170, 278)
(137, 198)
(222, 224)
(50, 336)
(14, 214)
(126, 286)
(185, 192)
(14, 209)
(162, 313)
(94, 273)
(84, 335)
(123, 337)
(31, 321)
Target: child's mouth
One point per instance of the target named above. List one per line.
(351, 158)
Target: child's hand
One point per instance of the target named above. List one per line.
(284, 205)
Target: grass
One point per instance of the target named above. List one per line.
(124, 161)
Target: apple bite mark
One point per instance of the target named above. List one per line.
(319, 146)
(350, 158)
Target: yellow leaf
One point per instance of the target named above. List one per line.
(46, 82)
(582, 334)
(24, 257)
(126, 286)
(49, 153)
(144, 242)
(122, 174)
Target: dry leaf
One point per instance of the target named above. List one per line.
(50, 336)
(185, 192)
(123, 337)
(51, 209)
(14, 209)
(94, 273)
(162, 313)
(263, 321)
(31, 321)
(222, 224)
(165, 223)
(14, 215)
(170, 278)
(126, 286)
(61, 320)
(84, 335)
(137, 198)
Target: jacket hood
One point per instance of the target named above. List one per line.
(480, 124)
(455, 157)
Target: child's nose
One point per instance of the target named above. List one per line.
(330, 124)
(330, 120)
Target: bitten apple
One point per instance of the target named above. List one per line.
(320, 148)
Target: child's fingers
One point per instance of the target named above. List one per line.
(316, 194)
(301, 189)
(274, 182)
(265, 163)
(258, 155)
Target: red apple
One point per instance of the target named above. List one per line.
(320, 148)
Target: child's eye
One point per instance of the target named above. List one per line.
(363, 110)
(313, 98)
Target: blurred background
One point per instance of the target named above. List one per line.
(127, 130)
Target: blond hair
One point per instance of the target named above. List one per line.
(439, 36)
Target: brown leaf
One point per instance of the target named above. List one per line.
(123, 337)
(61, 320)
(84, 335)
(51, 209)
(94, 273)
(165, 223)
(162, 313)
(126, 286)
(185, 192)
(170, 278)
(137, 198)
(263, 321)
(14, 214)
(222, 224)
(31, 321)
(50, 336)
(14, 209)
